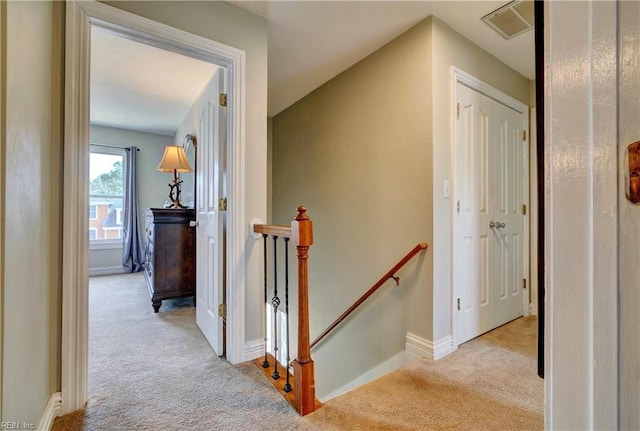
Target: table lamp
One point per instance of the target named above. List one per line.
(174, 160)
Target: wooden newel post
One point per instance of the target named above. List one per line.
(305, 390)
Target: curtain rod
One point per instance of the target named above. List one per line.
(111, 146)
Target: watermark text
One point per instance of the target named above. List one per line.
(9, 425)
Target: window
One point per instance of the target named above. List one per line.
(106, 194)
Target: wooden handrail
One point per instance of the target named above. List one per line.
(272, 229)
(390, 274)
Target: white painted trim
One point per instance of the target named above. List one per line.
(458, 76)
(236, 228)
(583, 248)
(80, 17)
(533, 213)
(105, 244)
(428, 349)
(386, 367)
(462, 77)
(443, 347)
(51, 412)
(75, 247)
(110, 270)
(253, 349)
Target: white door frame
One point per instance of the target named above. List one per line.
(458, 76)
(533, 212)
(80, 16)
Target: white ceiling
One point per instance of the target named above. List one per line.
(139, 87)
(310, 42)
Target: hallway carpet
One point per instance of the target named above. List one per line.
(156, 372)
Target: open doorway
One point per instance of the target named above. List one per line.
(143, 100)
(81, 18)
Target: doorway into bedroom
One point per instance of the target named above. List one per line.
(156, 235)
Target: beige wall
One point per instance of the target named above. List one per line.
(368, 153)
(33, 178)
(532, 93)
(228, 24)
(357, 153)
(189, 126)
(31, 279)
(450, 48)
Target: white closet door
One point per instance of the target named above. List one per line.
(488, 221)
(509, 241)
(473, 211)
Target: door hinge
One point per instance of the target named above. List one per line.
(458, 304)
(223, 99)
(458, 206)
(222, 204)
(524, 135)
(524, 283)
(222, 310)
(458, 110)
(524, 209)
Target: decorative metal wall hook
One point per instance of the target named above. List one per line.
(189, 140)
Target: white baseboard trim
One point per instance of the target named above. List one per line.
(443, 347)
(51, 411)
(106, 271)
(428, 349)
(386, 367)
(253, 349)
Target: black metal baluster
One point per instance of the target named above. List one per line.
(265, 364)
(287, 386)
(275, 301)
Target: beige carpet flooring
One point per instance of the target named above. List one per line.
(155, 372)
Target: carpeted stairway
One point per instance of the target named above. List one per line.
(152, 371)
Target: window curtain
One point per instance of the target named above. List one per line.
(132, 255)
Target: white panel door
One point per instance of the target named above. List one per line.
(210, 221)
(472, 257)
(509, 174)
(488, 222)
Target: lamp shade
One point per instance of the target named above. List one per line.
(174, 158)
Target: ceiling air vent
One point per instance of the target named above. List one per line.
(512, 19)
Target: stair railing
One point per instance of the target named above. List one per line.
(391, 274)
(303, 388)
